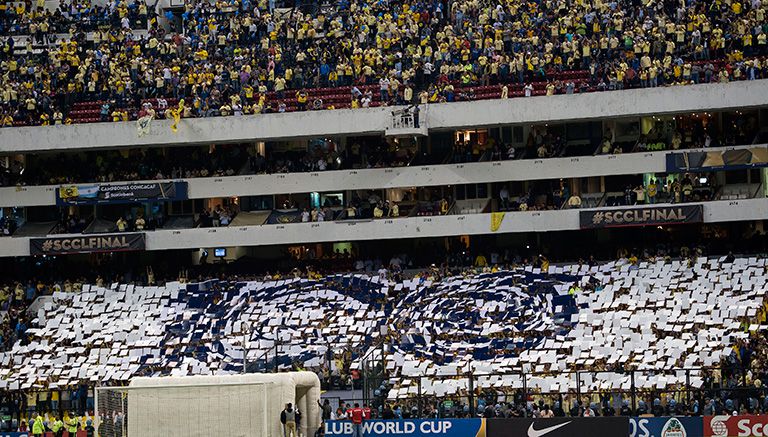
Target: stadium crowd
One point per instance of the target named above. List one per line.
(735, 384)
(548, 195)
(15, 299)
(42, 23)
(125, 165)
(660, 189)
(13, 302)
(232, 58)
(48, 276)
(7, 226)
(195, 162)
(543, 141)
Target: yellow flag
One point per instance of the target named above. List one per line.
(68, 191)
(496, 219)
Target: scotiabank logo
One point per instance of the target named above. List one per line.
(736, 426)
(747, 427)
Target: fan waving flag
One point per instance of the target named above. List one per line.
(143, 125)
(175, 113)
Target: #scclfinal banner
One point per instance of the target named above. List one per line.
(87, 244)
(618, 217)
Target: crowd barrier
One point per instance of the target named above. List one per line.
(709, 426)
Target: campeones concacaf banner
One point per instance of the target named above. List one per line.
(412, 428)
(116, 193)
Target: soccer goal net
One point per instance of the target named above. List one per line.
(231, 409)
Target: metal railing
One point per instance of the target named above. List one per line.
(582, 386)
(406, 118)
(403, 120)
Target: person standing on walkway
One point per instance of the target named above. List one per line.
(288, 419)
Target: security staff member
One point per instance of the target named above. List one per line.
(72, 425)
(356, 414)
(58, 428)
(38, 427)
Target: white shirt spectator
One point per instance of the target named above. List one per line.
(640, 193)
(224, 218)
(504, 193)
(528, 90)
(305, 216)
